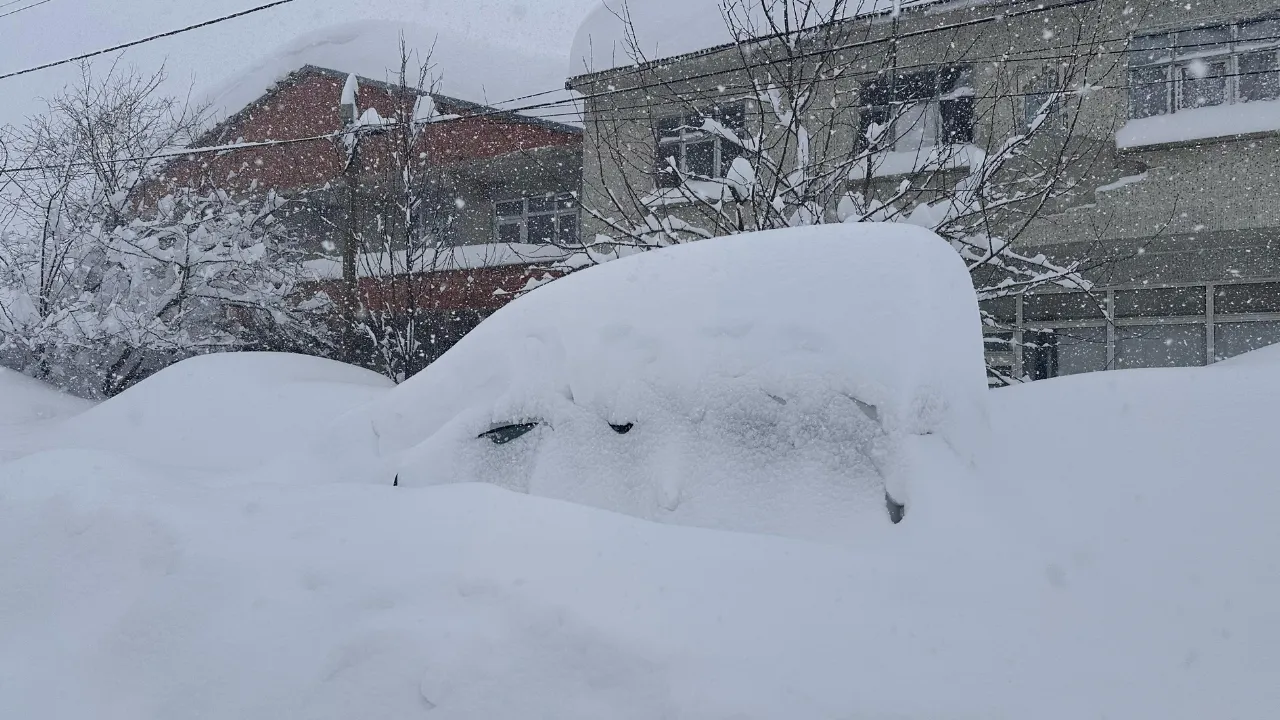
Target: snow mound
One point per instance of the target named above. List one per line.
(29, 409)
(1130, 572)
(226, 411)
(1269, 355)
(768, 382)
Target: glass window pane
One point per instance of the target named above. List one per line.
(1147, 49)
(1154, 346)
(1203, 84)
(917, 86)
(668, 127)
(1247, 298)
(1160, 302)
(700, 158)
(542, 204)
(1202, 40)
(1260, 30)
(1061, 306)
(568, 228)
(1148, 92)
(1003, 309)
(1231, 339)
(542, 229)
(566, 202)
(509, 233)
(733, 116)
(1259, 76)
(1064, 351)
(998, 342)
(513, 208)
(916, 127)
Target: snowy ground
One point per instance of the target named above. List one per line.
(204, 547)
(1130, 572)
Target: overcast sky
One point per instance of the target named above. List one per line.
(215, 56)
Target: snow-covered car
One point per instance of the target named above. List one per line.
(786, 382)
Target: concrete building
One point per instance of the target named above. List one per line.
(1169, 114)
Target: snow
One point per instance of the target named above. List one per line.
(459, 257)
(223, 412)
(1122, 182)
(28, 409)
(486, 49)
(666, 28)
(1269, 355)
(470, 68)
(202, 546)
(1200, 124)
(727, 386)
(1132, 576)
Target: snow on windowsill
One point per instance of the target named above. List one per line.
(1200, 124)
(910, 162)
(462, 257)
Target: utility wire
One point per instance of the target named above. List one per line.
(148, 39)
(28, 7)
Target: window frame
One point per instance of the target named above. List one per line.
(563, 205)
(946, 103)
(1210, 319)
(687, 134)
(1162, 52)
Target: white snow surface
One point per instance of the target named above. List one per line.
(223, 412)
(739, 362)
(485, 49)
(1126, 568)
(1201, 124)
(29, 409)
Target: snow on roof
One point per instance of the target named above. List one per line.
(461, 257)
(1200, 124)
(476, 70)
(489, 49)
(667, 28)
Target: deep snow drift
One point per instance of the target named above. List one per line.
(1131, 573)
(224, 412)
(760, 382)
(29, 410)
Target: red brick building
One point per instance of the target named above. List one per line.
(510, 182)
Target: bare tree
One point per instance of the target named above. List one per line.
(823, 111)
(401, 207)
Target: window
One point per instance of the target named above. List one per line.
(537, 220)
(1154, 346)
(688, 148)
(1061, 333)
(1038, 95)
(1064, 351)
(918, 110)
(1204, 67)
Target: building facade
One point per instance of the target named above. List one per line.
(495, 195)
(1151, 134)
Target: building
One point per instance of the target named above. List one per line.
(1157, 124)
(498, 194)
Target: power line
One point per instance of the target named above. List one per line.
(148, 39)
(28, 7)
(181, 153)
